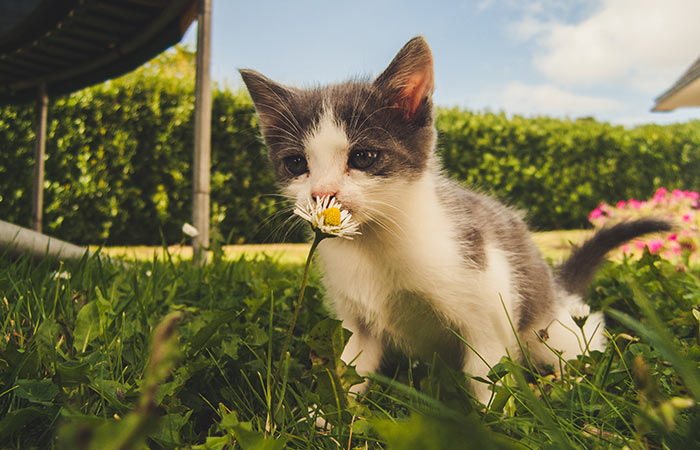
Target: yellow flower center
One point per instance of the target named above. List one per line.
(331, 217)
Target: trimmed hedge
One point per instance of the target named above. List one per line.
(560, 170)
(118, 168)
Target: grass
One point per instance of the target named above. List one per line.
(161, 354)
(282, 253)
(555, 245)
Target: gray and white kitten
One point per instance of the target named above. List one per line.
(433, 256)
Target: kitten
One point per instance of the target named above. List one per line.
(433, 256)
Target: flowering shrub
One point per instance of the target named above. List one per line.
(680, 207)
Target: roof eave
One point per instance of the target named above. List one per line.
(685, 96)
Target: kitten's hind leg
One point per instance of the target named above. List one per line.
(563, 333)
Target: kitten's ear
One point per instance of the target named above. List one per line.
(408, 81)
(268, 96)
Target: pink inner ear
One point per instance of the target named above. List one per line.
(418, 86)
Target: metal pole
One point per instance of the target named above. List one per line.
(202, 133)
(39, 153)
(21, 241)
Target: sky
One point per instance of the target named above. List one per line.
(606, 59)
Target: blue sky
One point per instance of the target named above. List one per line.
(607, 59)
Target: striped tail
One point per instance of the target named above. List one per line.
(575, 274)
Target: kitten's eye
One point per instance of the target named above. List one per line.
(296, 165)
(362, 159)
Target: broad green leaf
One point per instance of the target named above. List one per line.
(427, 433)
(46, 340)
(256, 440)
(205, 333)
(169, 426)
(72, 372)
(87, 326)
(37, 391)
(327, 340)
(15, 420)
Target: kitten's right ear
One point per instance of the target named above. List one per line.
(408, 81)
(268, 96)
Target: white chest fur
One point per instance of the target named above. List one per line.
(411, 283)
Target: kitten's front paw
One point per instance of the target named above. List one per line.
(319, 421)
(359, 389)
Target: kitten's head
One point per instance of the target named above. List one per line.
(361, 142)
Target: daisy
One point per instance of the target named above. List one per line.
(327, 217)
(190, 230)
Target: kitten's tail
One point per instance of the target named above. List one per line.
(575, 274)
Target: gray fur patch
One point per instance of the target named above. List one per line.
(482, 219)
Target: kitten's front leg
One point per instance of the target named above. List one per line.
(490, 351)
(364, 351)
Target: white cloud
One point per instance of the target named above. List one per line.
(521, 98)
(483, 5)
(529, 27)
(646, 44)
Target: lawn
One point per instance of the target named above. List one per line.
(555, 245)
(161, 354)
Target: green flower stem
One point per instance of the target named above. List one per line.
(319, 237)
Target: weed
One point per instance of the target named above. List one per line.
(164, 354)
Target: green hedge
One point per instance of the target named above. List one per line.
(560, 170)
(118, 168)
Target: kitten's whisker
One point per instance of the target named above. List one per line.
(393, 139)
(295, 223)
(291, 120)
(378, 110)
(388, 205)
(291, 136)
(283, 196)
(274, 216)
(377, 217)
(285, 139)
(284, 225)
(356, 116)
(356, 137)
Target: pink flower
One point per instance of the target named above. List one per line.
(678, 194)
(621, 204)
(655, 245)
(687, 218)
(660, 195)
(640, 244)
(692, 195)
(595, 213)
(625, 248)
(634, 203)
(673, 237)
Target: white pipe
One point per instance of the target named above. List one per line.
(19, 240)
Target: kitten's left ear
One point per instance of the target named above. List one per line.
(408, 81)
(268, 97)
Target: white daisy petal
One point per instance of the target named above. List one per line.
(316, 214)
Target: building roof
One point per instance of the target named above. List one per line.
(685, 91)
(71, 44)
